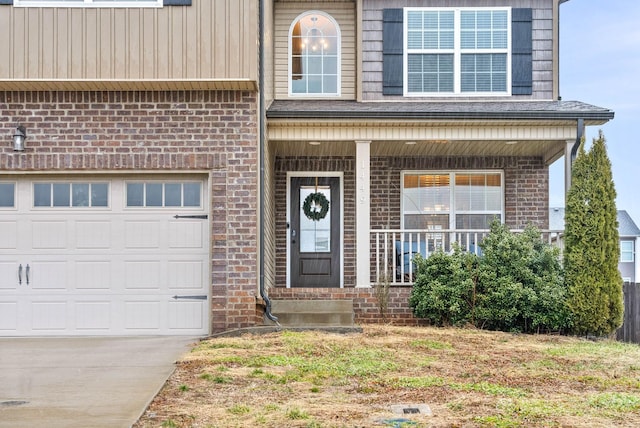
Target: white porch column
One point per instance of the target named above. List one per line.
(363, 213)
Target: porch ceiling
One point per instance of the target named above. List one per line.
(421, 138)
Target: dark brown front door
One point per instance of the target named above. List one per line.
(315, 243)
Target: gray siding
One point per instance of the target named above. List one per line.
(543, 45)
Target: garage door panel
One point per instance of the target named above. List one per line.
(94, 315)
(185, 274)
(142, 315)
(185, 234)
(93, 275)
(9, 274)
(186, 315)
(142, 234)
(48, 275)
(9, 234)
(143, 274)
(49, 235)
(8, 317)
(93, 234)
(49, 315)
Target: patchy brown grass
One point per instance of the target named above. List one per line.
(466, 377)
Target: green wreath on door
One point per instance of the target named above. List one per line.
(315, 206)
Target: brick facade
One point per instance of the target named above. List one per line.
(526, 186)
(213, 132)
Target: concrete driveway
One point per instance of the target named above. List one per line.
(83, 382)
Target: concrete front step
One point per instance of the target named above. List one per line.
(308, 313)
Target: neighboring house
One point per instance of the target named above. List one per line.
(629, 234)
(172, 145)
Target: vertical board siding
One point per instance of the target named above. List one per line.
(212, 39)
(344, 14)
(372, 42)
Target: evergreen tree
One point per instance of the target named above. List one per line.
(592, 248)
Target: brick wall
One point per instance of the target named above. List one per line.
(186, 131)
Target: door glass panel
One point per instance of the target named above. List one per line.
(7, 195)
(315, 236)
(42, 195)
(80, 192)
(172, 195)
(61, 195)
(191, 194)
(135, 194)
(99, 194)
(154, 195)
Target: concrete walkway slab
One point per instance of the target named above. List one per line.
(83, 382)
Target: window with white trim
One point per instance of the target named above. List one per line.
(451, 199)
(314, 55)
(88, 3)
(164, 194)
(627, 251)
(70, 195)
(457, 51)
(7, 195)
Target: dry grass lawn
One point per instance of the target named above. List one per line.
(467, 378)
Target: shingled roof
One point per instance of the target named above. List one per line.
(505, 110)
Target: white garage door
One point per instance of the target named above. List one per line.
(103, 256)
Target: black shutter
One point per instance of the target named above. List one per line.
(392, 72)
(176, 2)
(521, 52)
(6, 1)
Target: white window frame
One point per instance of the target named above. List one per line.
(339, 58)
(630, 251)
(89, 3)
(457, 53)
(452, 197)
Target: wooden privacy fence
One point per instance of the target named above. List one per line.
(630, 330)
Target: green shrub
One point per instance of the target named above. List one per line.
(516, 285)
(521, 282)
(444, 288)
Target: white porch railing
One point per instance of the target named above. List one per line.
(393, 250)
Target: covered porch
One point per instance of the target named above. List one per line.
(387, 156)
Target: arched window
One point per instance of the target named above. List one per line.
(314, 55)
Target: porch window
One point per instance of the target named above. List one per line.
(314, 55)
(451, 200)
(627, 253)
(457, 51)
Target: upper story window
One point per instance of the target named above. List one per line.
(456, 51)
(88, 3)
(314, 55)
(627, 253)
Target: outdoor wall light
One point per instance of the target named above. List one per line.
(19, 136)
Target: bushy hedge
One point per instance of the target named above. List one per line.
(516, 285)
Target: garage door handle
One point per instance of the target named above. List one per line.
(20, 274)
(26, 271)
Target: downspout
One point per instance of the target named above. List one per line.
(570, 157)
(261, 138)
(579, 136)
